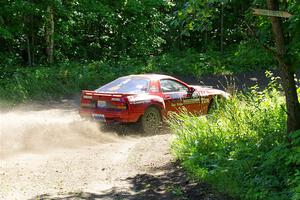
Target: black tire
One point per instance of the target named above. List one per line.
(151, 121)
(211, 106)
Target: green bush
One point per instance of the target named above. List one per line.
(242, 148)
(24, 84)
(248, 56)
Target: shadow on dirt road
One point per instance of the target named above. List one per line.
(173, 183)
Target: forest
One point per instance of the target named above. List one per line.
(69, 41)
(249, 148)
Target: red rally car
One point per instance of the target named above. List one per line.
(145, 98)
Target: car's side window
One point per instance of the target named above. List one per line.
(172, 86)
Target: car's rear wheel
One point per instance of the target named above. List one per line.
(151, 121)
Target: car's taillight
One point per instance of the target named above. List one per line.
(88, 105)
(122, 106)
(87, 102)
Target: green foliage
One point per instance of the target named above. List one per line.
(241, 148)
(43, 82)
(83, 29)
(24, 84)
(293, 28)
(186, 63)
(248, 56)
(86, 30)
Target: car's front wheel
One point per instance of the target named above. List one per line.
(151, 121)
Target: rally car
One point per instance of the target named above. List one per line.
(146, 98)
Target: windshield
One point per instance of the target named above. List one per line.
(126, 85)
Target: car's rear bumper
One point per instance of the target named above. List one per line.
(109, 116)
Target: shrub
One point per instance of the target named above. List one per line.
(242, 148)
(44, 82)
(249, 56)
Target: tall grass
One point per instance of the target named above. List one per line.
(242, 147)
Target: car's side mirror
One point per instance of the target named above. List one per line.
(191, 90)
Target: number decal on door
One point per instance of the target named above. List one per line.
(204, 100)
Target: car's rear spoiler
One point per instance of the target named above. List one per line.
(93, 95)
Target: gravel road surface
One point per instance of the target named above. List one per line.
(53, 152)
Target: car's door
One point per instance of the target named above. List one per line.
(176, 96)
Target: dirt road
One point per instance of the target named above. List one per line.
(53, 154)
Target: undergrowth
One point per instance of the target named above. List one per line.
(242, 148)
(24, 84)
(19, 84)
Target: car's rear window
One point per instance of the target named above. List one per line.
(126, 85)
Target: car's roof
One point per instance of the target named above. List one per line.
(151, 76)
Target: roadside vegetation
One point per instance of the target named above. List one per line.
(19, 84)
(241, 148)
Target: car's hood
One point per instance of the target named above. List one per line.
(206, 91)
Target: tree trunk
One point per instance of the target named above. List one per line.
(205, 39)
(1, 20)
(49, 32)
(28, 51)
(32, 43)
(287, 74)
(32, 48)
(222, 28)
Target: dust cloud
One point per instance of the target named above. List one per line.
(37, 131)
